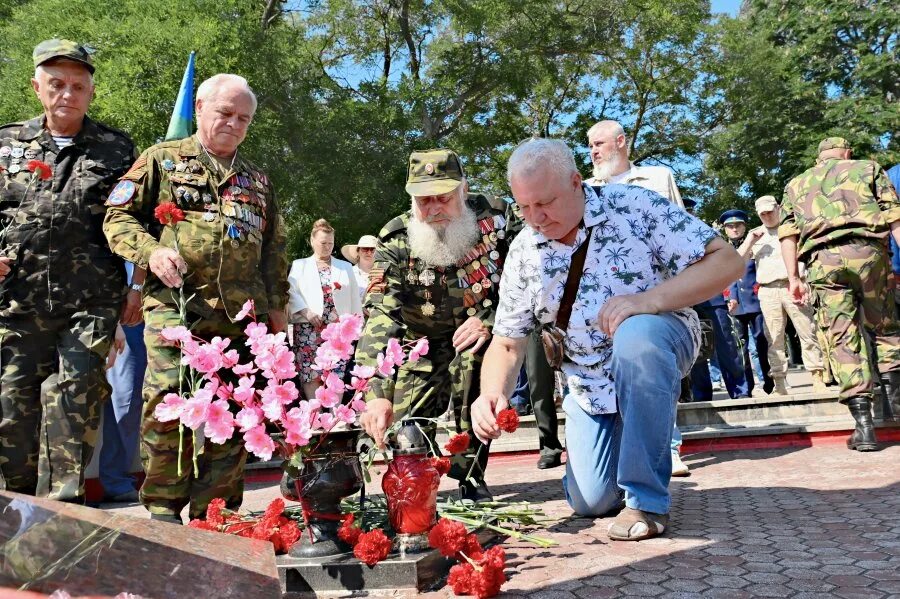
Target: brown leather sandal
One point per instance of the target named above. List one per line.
(635, 525)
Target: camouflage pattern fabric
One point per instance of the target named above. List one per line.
(232, 238)
(838, 201)
(59, 303)
(71, 350)
(397, 304)
(60, 259)
(221, 467)
(850, 286)
(841, 211)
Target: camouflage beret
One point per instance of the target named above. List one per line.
(52, 49)
(433, 172)
(831, 143)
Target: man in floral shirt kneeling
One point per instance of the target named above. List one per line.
(630, 339)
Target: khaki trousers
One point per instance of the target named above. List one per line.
(775, 303)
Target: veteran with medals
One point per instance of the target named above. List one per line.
(230, 248)
(435, 275)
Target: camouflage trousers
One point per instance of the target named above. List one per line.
(168, 488)
(427, 387)
(850, 286)
(47, 439)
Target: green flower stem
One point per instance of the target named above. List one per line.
(539, 541)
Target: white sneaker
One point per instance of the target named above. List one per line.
(679, 468)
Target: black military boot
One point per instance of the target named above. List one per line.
(863, 438)
(894, 395)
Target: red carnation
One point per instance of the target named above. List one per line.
(274, 509)
(473, 548)
(442, 465)
(41, 169)
(168, 213)
(448, 537)
(756, 288)
(508, 420)
(349, 533)
(202, 525)
(460, 578)
(214, 512)
(457, 443)
(337, 285)
(726, 293)
(372, 547)
(287, 535)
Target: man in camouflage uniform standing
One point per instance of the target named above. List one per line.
(837, 217)
(435, 275)
(230, 247)
(60, 287)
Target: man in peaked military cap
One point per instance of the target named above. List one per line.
(436, 272)
(230, 247)
(837, 217)
(743, 303)
(61, 289)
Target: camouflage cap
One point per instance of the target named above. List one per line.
(831, 143)
(433, 172)
(765, 203)
(52, 49)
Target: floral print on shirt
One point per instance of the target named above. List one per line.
(639, 239)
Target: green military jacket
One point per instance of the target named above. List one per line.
(837, 201)
(408, 300)
(232, 237)
(52, 229)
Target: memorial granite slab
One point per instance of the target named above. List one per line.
(48, 545)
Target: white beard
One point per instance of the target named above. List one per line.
(446, 246)
(605, 170)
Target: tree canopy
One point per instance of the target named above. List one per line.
(348, 88)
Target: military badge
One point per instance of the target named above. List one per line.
(121, 193)
(168, 165)
(5, 151)
(429, 169)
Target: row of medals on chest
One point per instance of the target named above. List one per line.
(477, 272)
(242, 191)
(16, 154)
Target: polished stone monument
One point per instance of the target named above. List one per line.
(47, 546)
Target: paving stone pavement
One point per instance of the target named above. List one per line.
(800, 522)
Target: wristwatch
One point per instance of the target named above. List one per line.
(136, 287)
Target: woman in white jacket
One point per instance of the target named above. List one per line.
(321, 289)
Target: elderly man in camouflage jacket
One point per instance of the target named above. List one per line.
(837, 217)
(435, 275)
(230, 247)
(60, 287)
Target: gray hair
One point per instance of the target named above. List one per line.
(613, 127)
(532, 154)
(209, 88)
(40, 69)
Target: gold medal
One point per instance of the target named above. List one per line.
(471, 311)
(412, 277)
(428, 308)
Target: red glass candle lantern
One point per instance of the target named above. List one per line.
(410, 486)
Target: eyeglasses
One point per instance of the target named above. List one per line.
(367, 250)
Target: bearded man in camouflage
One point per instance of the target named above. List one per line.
(231, 247)
(435, 275)
(60, 287)
(837, 217)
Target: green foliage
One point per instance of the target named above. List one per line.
(348, 88)
(789, 74)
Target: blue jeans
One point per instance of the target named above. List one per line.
(629, 453)
(122, 414)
